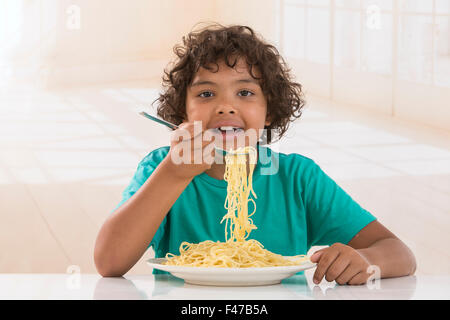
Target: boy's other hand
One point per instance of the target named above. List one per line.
(340, 263)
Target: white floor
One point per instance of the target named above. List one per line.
(66, 156)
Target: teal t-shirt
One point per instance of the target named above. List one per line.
(298, 206)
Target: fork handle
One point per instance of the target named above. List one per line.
(164, 122)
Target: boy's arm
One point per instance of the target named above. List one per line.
(383, 249)
(125, 235)
(373, 245)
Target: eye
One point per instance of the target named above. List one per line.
(206, 94)
(245, 93)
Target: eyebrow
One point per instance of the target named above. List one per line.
(207, 82)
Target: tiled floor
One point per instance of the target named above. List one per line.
(66, 156)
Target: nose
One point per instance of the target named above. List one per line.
(225, 108)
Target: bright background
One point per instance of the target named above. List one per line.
(74, 74)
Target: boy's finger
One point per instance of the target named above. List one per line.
(326, 259)
(195, 129)
(336, 268)
(348, 273)
(185, 132)
(359, 278)
(208, 141)
(316, 256)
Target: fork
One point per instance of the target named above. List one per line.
(174, 127)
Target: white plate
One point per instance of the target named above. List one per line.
(230, 276)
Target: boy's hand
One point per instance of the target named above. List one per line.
(191, 150)
(341, 263)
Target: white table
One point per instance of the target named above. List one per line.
(163, 287)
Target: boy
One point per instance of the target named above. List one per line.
(230, 82)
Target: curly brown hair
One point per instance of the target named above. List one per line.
(203, 48)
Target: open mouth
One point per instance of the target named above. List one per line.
(232, 137)
(229, 130)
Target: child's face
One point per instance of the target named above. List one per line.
(228, 97)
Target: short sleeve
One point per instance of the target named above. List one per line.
(332, 215)
(144, 170)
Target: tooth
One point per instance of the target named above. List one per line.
(226, 128)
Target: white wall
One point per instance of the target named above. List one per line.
(393, 60)
(61, 43)
(128, 42)
(119, 41)
(85, 41)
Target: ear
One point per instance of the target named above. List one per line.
(268, 121)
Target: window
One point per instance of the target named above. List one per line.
(347, 44)
(406, 40)
(11, 21)
(376, 48)
(442, 50)
(294, 37)
(306, 30)
(318, 35)
(415, 48)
